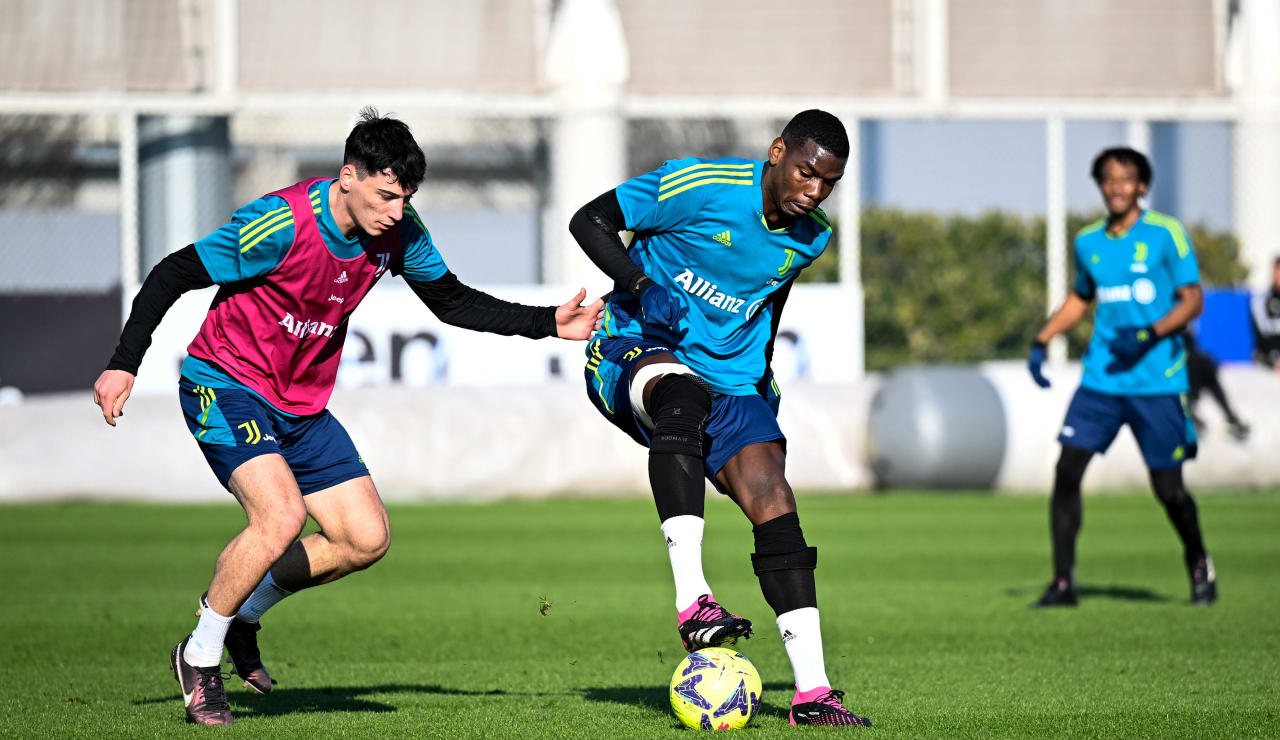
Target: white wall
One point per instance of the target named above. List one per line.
(531, 441)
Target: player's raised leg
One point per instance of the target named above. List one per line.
(784, 562)
(354, 534)
(674, 403)
(266, 489)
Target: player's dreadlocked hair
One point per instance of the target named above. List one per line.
(1123, 155)
(381, 142)
(819, 125)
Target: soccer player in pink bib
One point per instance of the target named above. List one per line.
(292, 266)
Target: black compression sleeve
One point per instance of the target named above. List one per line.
(174, 275)
(595, 226)
(461, 305)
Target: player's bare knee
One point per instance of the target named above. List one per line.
(766, 497)
(369, 547)
(279, 528)
(681, 404)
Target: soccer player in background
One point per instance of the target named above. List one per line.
(1141, 268)
(1202, 375)
(292, 266)
(1264, 311)
(681, 364)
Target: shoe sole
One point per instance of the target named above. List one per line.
(792, 717)
(254, 688)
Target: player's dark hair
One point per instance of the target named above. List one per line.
(379, 143)
(1123, 155)
(819, 125)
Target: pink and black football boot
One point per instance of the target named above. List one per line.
(823, 707)
(707, 624)
(203, 690)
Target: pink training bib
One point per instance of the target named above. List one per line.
(282, 334)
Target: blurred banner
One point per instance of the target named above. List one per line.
(473, 442)
(394, 339)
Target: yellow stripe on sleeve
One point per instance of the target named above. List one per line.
(264, 235)
(708, 173)
(821, 218)
(1174, 227)
(708, 165)
(1091, 227)
(699, 183)
(271, 225)
(266, 216)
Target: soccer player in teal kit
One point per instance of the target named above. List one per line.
(1140, 267)
(292, 266)
(681, 364)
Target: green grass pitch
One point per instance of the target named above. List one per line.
(923, 600)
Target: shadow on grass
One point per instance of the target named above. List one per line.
(337, 698)
(657, 698)
(285, 701)
(1086, 591)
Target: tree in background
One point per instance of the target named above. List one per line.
(962, 288)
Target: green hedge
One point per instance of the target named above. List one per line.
(971, 288)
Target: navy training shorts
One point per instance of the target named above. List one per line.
(1161, 425)
(735, 422)
(233, 426)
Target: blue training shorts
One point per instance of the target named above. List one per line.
(233, 426)
(1161, 425)
(735, 422)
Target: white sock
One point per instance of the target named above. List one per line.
(802, 637)
(265, 596)
(205, 646)
(684, 547)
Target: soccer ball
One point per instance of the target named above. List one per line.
(715, 689)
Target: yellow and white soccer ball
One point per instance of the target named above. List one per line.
(715, 689)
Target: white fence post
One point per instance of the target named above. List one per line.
(587, 65)
(1055, 224)
(130, 244)
(1256, 170)
(849, 237)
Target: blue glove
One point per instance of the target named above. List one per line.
(660, 309)
(1129, 345)
(1034, 361)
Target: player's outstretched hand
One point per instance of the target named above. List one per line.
(1035, 361)
(660, 309)
(1129, 345)
(574, 320)
(110, 393)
